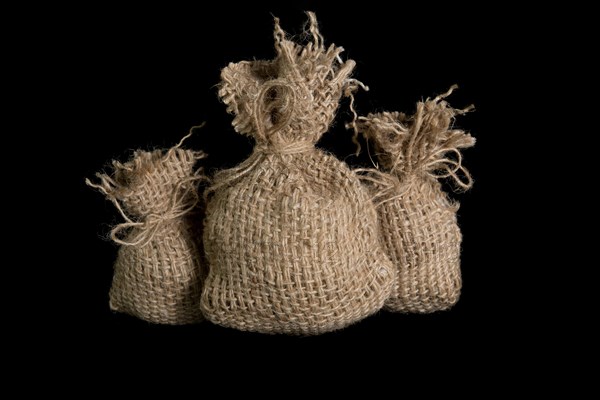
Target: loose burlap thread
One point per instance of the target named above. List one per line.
(291, 236)
(159, 268)
(417, 221)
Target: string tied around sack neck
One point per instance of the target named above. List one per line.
(183, 200)
(275, 105)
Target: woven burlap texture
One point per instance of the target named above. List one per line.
(159, 269)
(291, 235)
(417, 220)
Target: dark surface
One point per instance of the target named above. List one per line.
(146, 77)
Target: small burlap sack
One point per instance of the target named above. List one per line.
(417, 220)
(291, 235)
(159, 270)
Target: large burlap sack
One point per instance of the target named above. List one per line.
(417, 220)
(291, 236)
(159, 269)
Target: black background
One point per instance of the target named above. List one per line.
(141, 78)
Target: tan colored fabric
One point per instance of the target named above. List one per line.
(291, 235)
(417, 220)
(159, 269)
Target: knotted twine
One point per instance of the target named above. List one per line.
(158, 271)
(417, 220)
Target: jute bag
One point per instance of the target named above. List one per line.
(159, 270)
(291, 236)
(417, 220)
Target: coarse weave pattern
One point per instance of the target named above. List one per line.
(422, 238)
(293, 248)
(291, 235)
(158, 271)
(417, 221)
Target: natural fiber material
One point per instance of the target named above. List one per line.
(158, 271)
(291, 235)
(417, 220)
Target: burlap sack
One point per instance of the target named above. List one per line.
(290, 235)
(159, 269)
(417, 220)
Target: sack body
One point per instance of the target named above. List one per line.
(291, 235)
(159, 270)
(417, 220)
